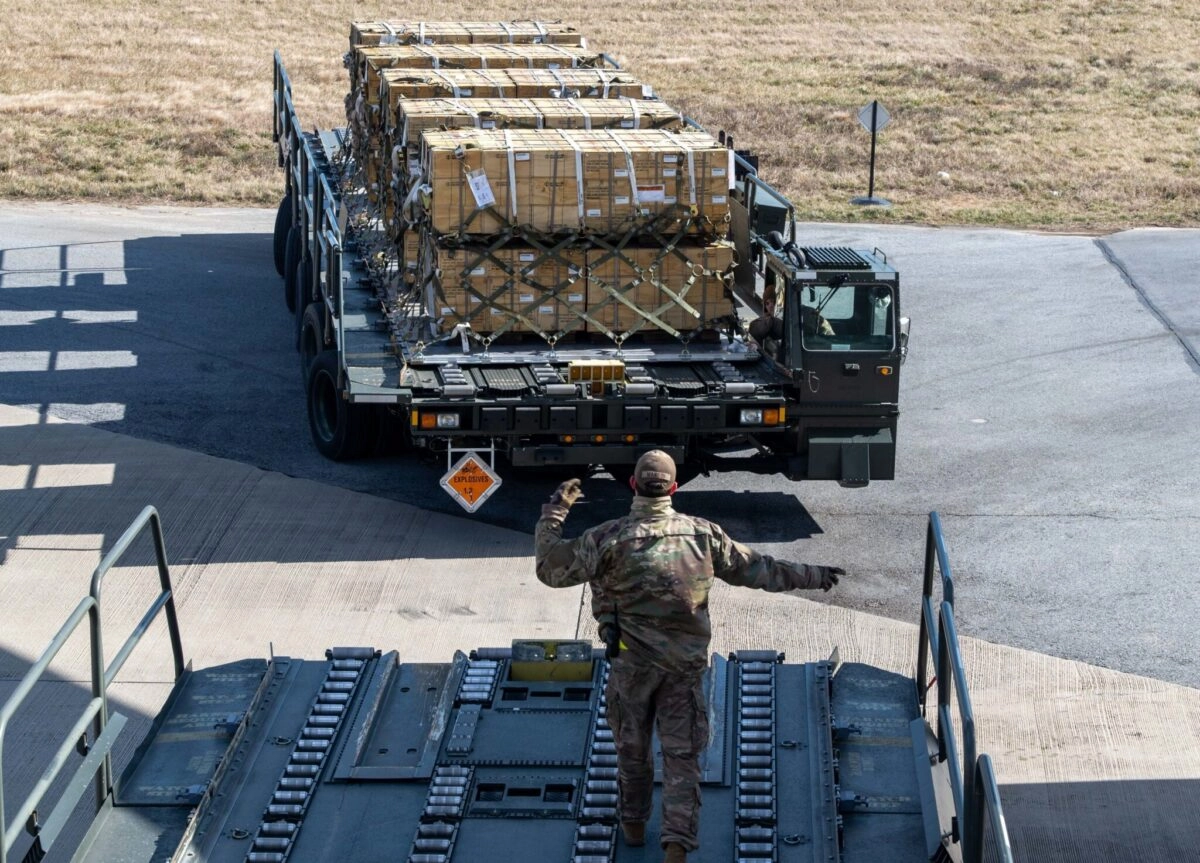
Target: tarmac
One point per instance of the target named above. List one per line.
(1094, 764)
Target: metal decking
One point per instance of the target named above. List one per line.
(361, 757)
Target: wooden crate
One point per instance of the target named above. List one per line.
(593, 182)
(698, 274)
(417, 115)
(462, 32)
(400, 84)
(369, 62)
(513, 288)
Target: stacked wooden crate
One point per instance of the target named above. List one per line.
(528, 192)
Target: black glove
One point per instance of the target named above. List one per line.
(611, 636)
(829, 576)
(567, 493)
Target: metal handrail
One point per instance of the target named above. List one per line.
(972, 781)
(927, 641)
(96, 712)
(316, 200)
(986, 802)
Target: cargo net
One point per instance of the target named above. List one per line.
(538, 203)
(530, 288)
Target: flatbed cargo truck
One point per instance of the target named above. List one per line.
(793, 370)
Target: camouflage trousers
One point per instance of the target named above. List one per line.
(640, 695)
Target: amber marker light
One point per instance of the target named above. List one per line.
(884, 370)
(567, 438)
(771, 416)
(599, 438)
(630, 438)
(428, 421)
(415, 418)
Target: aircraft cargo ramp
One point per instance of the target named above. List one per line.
(505, 755)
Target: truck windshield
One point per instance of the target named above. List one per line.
(848, 317)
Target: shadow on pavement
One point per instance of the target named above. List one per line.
(185, 340)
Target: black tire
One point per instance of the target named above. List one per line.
(312, 337)
(341, 431)
(291, 263)
(301, 295)
(283, 226)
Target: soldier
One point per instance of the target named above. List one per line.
(650, 574)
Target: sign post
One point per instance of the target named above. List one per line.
(873, 118)
(470, 481)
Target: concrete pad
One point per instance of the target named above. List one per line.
(1092, 762)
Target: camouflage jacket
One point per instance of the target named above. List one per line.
(652, 570)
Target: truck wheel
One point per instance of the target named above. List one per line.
(340, 430)
(283, 226)
(312, 337)
(291, 263)
(301, 295)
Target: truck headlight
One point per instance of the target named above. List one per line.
(447, 421)
(772, 416)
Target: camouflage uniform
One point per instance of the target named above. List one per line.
(650, 573)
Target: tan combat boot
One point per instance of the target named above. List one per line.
(634, 832)
(676, 853)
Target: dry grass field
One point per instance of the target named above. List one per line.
(1069, 115)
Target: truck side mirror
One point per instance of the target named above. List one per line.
(905, 327)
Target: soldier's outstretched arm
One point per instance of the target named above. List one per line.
(562, 562)
(741, 565)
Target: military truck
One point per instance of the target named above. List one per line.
(504, 755)
(506, 327)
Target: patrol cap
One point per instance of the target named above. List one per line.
(654, 471)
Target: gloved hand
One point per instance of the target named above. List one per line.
(611, 637)
(829, 576)
(567, 493)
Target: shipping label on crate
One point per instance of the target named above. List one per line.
(481, 189)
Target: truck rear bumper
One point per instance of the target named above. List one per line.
(852, 458)
(548, 454)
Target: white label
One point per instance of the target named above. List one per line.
(479, 271)
(620, 200)
(527, 256)
(718, 172)
(620, 172)
(668, 172)
(652, 194)
(718, 199)
(446, 310)
(545, 310)
(670, 199)
(487, 124)
(521, 157)
(626, 124)
(465, 91)
(525, 298)
(496, 313)
(481, 189)
(553, 66)
(647, 91)
(670, 158)
(593, 214)
(574, 298)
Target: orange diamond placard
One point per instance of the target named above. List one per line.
(470, 482)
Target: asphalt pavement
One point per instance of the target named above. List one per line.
(1048, 411)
